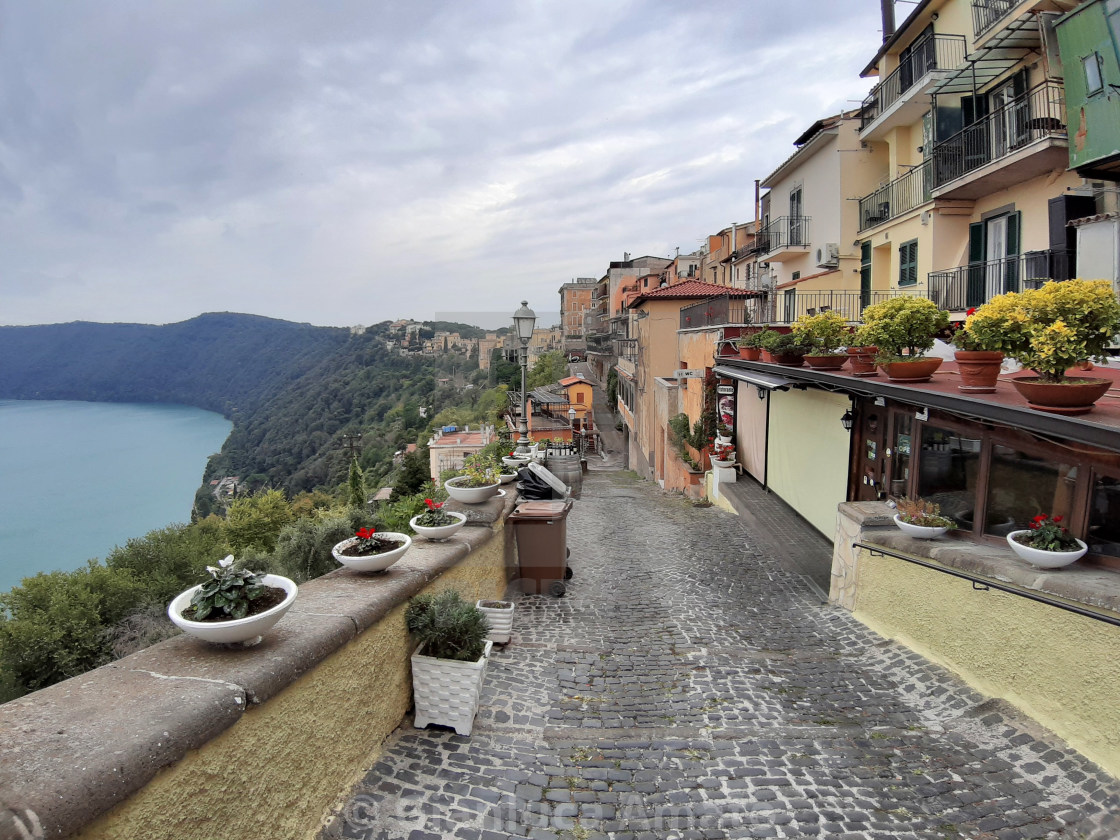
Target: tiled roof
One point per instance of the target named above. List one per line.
(695, 289)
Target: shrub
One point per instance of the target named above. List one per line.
(447, 626)
(902, 326)
(256, 521)
(824, 332)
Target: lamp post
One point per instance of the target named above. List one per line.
(523, 321)
(572, 423)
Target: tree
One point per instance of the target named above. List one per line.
(255, 521)
(550, 367)
(413, 475)
(356, 493)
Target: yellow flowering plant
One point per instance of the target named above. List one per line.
(1051, 329)
(824, 332)
(902, 324)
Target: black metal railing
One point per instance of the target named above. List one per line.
(783, 232)
(1037, 114)
(713, 312)
(626, 348)
(787, 307)
(958, 289)
(900, 196)
(987, 13)
(933, 52)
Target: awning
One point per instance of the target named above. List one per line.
(760, 380)
(1019, 38)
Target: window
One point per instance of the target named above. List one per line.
(908, 263)
(948, 469)
(1094, 82)
(1022, 485)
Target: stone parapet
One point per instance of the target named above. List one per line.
(185, 739)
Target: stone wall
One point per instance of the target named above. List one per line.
(186, 740)
(1058, 667)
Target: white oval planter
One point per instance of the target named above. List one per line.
(515, 460)
(446, 691)
(500, 620)
(922, 532)
(470, 495)
(1045, 559)
(372, 562)
(507, 479)
(440, 532)
(723, 440)
(244, 631)
(719, 462)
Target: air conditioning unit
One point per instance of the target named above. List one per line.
(828, 256)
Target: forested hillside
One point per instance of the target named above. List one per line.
(218, 361)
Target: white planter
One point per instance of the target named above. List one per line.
(922, 532)
(500, 620)
(244, 631)
(1045, 559)
(470, 495)
(446, 691)
(515, 461)
(723, 440)
(440, 532)
(372, 562)
(507, 479)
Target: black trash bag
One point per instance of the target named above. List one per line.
(533, 488)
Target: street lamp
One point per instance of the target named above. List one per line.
(523, 321)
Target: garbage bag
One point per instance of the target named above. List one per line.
(534, 488)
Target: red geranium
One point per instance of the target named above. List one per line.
(433, 505)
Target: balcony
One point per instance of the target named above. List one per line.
(786, 307)
(900, 196)
(987, 13)
(961, 288)
(714, 312)
(1022, 140)
(899, 99)
(626, 348)
(784, 238)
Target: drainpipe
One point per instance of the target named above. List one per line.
(887, 8)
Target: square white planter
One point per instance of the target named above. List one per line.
(500, 620)
(446, 691)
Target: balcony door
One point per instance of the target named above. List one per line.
(993, 245)
(796, 209)
(1010, 115)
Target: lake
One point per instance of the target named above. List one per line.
(79, 478)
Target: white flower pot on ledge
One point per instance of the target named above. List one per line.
(1045, 559)
(438, 532)
(237, 631)
(447, 691)
(500, 619)
(922, 532)
(469, 495)
(373, 562)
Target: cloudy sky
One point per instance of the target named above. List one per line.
(348, 161)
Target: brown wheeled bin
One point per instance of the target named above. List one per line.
(541, 530)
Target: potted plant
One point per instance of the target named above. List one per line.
(824, 334)
(477, 483)
(1047, 544)
(449, 663)
(788, 350)
(862, 354)
(515, 460)
(749, 348)
(507, 474)
(977, 353)
(724, 457)
(1049, 331)
(370, 551)
(499, 617)
(765, 340)
(922, 519)
(235, 606)
(903, 328)
(436, 523)
(723, 434)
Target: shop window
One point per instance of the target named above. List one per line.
(900, 454)
(1021, 486)
(948, 468)
(1103, 533)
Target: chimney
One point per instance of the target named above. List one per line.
(887, 7)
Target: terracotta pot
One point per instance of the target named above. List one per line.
(831, 362)
(767, 356)
(918, 370)
(1074, 396)
(863, 361)
(979, 370)
(750, 354)
(789, 359)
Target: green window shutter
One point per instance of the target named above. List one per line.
(1014, 225)
(976, 242)
(908, 263)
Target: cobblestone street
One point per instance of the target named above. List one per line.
(690, 686)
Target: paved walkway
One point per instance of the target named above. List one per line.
(613, 455)
(691, 686)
